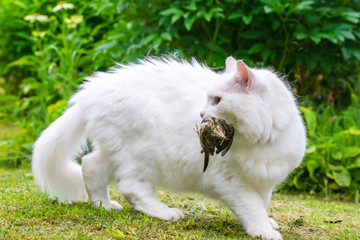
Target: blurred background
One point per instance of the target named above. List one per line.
(48, 47)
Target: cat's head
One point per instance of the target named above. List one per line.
(255, 101)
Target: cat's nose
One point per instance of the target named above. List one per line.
(202, 114)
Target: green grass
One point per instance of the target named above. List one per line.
(26, 213)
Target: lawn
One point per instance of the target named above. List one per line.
(26, 213)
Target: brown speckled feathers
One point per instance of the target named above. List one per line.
(216, 135)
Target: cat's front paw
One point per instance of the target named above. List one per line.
(268, 234)
(112, 205)
(169, 214)
(273, 223)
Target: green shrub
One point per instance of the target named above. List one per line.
(314, 41)
(332, 162)
(309, 40)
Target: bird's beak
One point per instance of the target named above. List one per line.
(204, 120)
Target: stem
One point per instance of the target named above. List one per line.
(42, 71)
(281, 64)
(203, 25)
(287, 36)
(66, 58)
(217, 28)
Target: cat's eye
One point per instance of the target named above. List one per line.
(216, 101)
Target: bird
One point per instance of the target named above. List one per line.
(216, 136)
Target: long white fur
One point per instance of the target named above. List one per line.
(140, 118)
(54, 152)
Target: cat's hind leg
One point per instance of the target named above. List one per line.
(97, 173)
(141, 195)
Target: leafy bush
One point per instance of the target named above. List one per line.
(46, 48)
(332, 162)
(306, 39)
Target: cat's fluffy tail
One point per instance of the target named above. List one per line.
(53, 161)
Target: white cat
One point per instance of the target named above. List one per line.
(141, 117)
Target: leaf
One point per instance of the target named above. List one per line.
(347, 34)
(55, 110)
(355, 164)
(331, 37)
(157, 41)
(337, 155)
(312, 166)
(353, 131)
(215, 48)
(304, 5)
(191, 6)
(171, 11)
(297, 183)
(189, 22)
(175, 17)
(208, 16)
(265, 54)
(247, 19)
(24, 61)
(335, 168)
(310, 119)
(267, 9)
(342, 178)
(256, 48)
(300, 35)
(166, 36)
(236, 15)
(214, 12)
(350, 15)
(275, 24)
(148, 39)
(106, 46)
(20, 4)
(301, 32)
(316, 38)
(312, 19)
(350, 152)
(310, 149)
(315, 35)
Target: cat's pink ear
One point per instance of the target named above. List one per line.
(230, 64)
(244, 75)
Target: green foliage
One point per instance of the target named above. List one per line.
(332, 162)
(309, 39)
(46, 48)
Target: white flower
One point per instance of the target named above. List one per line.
(63, 5)
(73, 21)
(36, 17)
(51, 67)
(38, 34)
